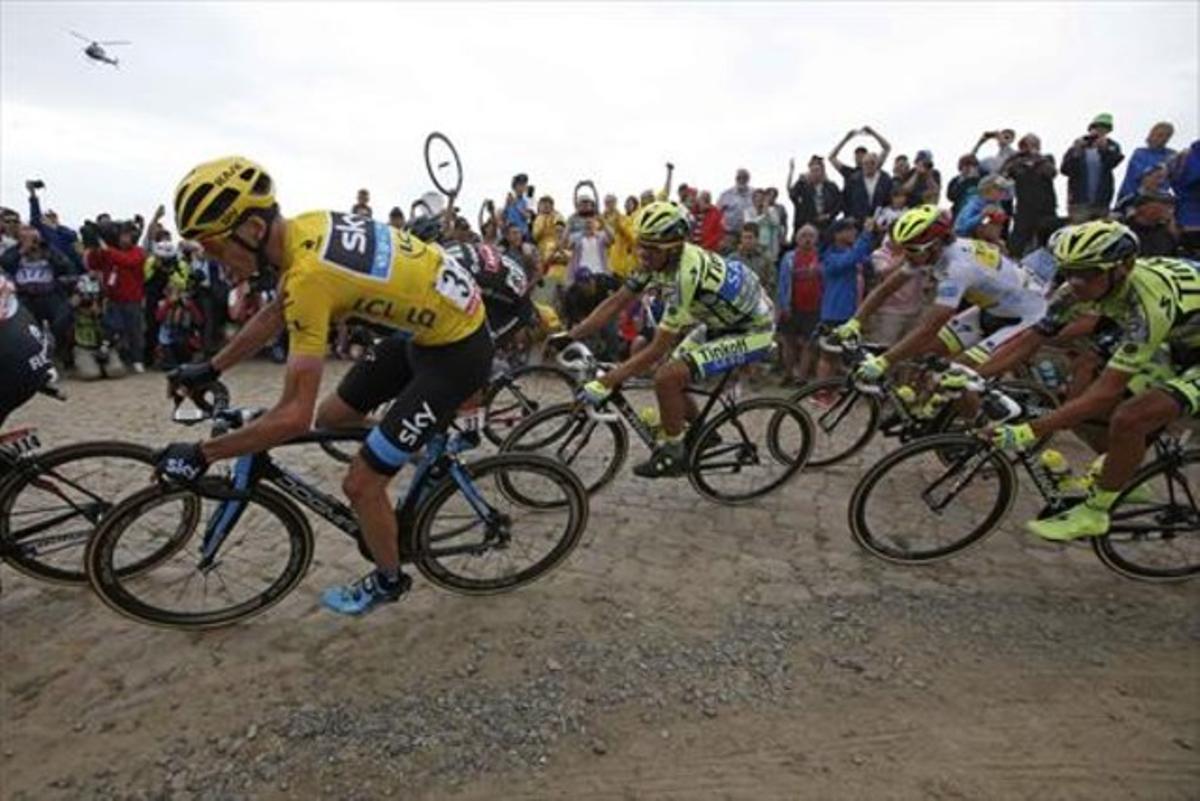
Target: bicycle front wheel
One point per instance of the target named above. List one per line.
(593, 450)
(265, 548)
(1154, 534)
(515, 395)
(749, 449)
(844, 419)
(932, 498)
(499, 523)
(54, 500)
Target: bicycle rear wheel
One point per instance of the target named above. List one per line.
(265, 552)
(593, 450)
(749, 449)
(54, 500)
(1155, 530)
(919, 505)
(514, 395)
(513, 518)
(844, 419)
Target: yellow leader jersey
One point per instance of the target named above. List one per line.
(344, 265)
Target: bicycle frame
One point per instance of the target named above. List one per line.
(440, 454)
(626, 411)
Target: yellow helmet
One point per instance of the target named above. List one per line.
(662, 223)
(1100, 244)
(217, 195)
(921, 225)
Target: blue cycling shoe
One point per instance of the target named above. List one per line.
(363, 595)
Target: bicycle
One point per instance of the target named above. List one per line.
(51, 501)
(457, 521)
(964, 482)
(719, 443)
(847, 415)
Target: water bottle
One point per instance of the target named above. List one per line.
(907, 394)
(650, 416)
(1056, 466)
(1047, 372)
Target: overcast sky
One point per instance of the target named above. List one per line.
(334, 96)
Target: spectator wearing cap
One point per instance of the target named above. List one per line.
(1151, 215)
(57, 236)
(798, 304)
(1004, 150)
(993, 190)
(396, 218)
(1036, 210)
(734, 202)
(924, 183)
(815, 198)
(1144, 159)
(362, 204)
(843, 262)
(516, 204)
(1183, 171)
(1089, 165)
(963, 185)
(709, 229)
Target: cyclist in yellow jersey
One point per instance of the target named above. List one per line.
(1156, 304)
(333, 265)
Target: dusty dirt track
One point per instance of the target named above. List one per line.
(686, 651)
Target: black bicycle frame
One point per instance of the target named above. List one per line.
(634, 420)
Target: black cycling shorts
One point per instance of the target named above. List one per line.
(24, 363)
(428, 385)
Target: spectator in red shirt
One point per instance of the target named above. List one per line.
(121, 270)
(798, 304)
(710, 229)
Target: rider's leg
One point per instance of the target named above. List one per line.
(367, 385)
(670, 383)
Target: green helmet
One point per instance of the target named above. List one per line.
(1100, 244)
(921, 226)
(662, 223)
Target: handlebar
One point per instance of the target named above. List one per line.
(211, 402)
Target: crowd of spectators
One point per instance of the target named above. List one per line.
(120, 294)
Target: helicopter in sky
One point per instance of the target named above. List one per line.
(95, 50)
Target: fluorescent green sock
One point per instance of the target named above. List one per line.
(1102, 500)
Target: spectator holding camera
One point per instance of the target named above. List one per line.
(1036, 210)
(40, 274)
(924, 183)
(59, 237)
(1089, 166)
(963, 185)
(816, 199)
(111, 250)
(1004, 150)
(1144, 159)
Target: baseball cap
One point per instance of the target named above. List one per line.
(1104, 120)
(843, 224)
(924, 155)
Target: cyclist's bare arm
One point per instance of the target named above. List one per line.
(264, 326)
(291, 416)
(646, 358)
(600, 315)
(919, 338)
(890, 285)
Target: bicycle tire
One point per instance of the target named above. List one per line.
(19, 549)
(430, 560)
(566, 441)
(498, 420)
(107, 582)
(434, 173)
(829, 419)
(1106, 547)
(965, 445)
(707, 442)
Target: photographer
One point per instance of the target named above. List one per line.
(1004, 150)
(110, 249)
(924, 183)
(1089, 166)
(1036, 215)
(40, 274)
(57, 236)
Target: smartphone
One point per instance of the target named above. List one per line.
(529, 191)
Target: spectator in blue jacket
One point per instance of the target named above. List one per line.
(1183, 170)
(842, 264)
(1145, 159)
(57, 236)
(993, 190)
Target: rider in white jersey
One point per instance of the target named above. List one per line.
(1004, 298)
